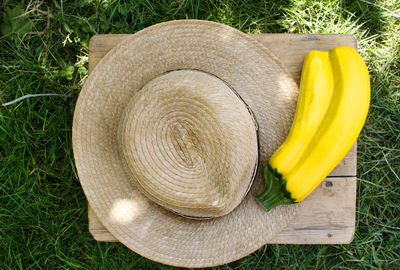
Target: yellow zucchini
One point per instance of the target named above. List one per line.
(312, 104)
(336, 133)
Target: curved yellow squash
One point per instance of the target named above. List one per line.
(312, 104)
(327, 144)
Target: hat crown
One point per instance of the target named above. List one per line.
(190, 143)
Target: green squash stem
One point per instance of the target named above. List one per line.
(274, 192)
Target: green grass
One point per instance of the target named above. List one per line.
(43, 49)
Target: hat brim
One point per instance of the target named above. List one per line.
(153, 232)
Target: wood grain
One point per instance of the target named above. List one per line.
(327, 216)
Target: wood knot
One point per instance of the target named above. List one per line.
(328, 184)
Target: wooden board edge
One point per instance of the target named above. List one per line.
(341, 232)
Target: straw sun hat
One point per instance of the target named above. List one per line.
(169, 132)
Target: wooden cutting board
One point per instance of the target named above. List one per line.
(327, 216)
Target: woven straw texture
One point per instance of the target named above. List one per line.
(190, 143)
(105, 131)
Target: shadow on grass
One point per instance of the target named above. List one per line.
(369, 14)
